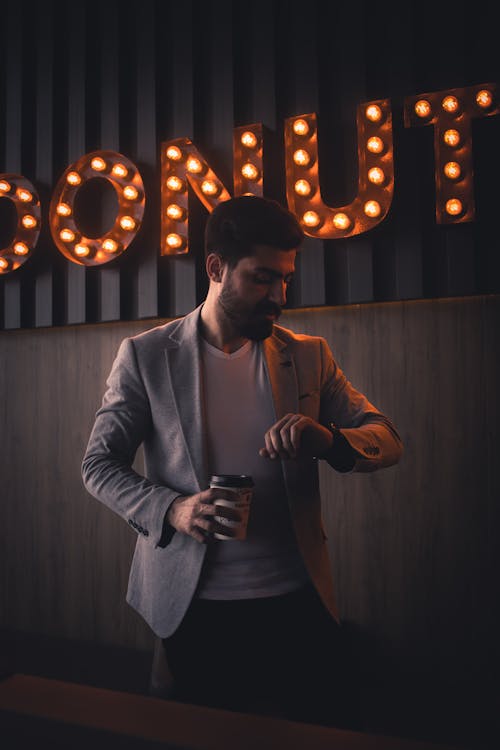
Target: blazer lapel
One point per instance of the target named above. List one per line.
(282, 376)
(183, 362)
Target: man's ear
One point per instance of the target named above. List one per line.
(214, 265)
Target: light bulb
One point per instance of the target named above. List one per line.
(451, 137)
(130, 192)
(454, 206)
(73, 178)
(373, 112)
(119, 170)
(98, 164)
(127, 223)
(302, 187)
(209, 187)
(175, 183)
(250, 171)
(301, 157)
(29, 221)
(67, 235)
(174, 211)
(376, 175)
(301, 127)
(4, 186)
(372, 209)
(311, 219)
(375, 144)
(174, 153)
(194, 165)
(450, 104)
(110, 245)
(24, 195)
(3, 263)
(452, 170)
(248, 139)
(341, 221)
(63, 209)
(484, 98)
(81, 250)
(20, 248)
(174, 241)
(422, 108)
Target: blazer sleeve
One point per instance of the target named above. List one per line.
(374, 440)
(120, 426)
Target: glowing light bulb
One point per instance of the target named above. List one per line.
(110, 245)
(194, 165)
(454, 207)
(301, 127)
(174, 153)
(24, 195)
(302, 187)
(127, 223)
(375, 144)
(98, 164)
(301, 157)
(484, 98)
(174, 241)
(3, 263)
(422, 108)
(4, 186)
(81, 250)
(452, 170)
(29, 221)
(174, 211)
(119, 170)
(175, 183)
(248, 139)
(450, 104)
(373, 113)
(341, 221)
(130, 193)
(209, 187)
(73, 178)
(20, 248)
(311, 219)
(63, 209)
(376, 175)
(451, 137)
(250, 171)
(372, 209)
(67, 235)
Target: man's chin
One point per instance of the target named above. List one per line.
(259, 330)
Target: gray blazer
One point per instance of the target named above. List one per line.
(153, 397)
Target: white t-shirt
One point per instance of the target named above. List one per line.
(238, 411)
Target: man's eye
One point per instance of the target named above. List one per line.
(262, 279)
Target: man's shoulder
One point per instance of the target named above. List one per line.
(170, 331)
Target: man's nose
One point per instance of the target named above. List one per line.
(278, 292)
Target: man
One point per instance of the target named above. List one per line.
(247, 625)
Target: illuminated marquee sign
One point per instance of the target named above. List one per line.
(182, 165)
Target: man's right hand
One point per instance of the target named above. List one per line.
(195, 514)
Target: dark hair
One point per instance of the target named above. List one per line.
(237, 225)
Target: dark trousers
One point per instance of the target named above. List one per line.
(282, 656)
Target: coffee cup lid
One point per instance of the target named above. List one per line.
(231, 480)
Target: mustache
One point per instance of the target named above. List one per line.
(268, 308)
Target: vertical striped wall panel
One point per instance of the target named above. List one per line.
(89, 75)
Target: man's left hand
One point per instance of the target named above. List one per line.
(296, 436)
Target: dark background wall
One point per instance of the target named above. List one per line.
(75, 77)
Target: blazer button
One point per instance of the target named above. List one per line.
(146, 532)
(130, 522)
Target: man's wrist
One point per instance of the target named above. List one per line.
(341, 456)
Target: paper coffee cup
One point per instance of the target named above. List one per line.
(241, 485)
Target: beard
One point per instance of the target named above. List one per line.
(248, 321)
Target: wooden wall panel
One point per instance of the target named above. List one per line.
(88, 75)
(413, 547)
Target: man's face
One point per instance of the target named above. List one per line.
(254, 291)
